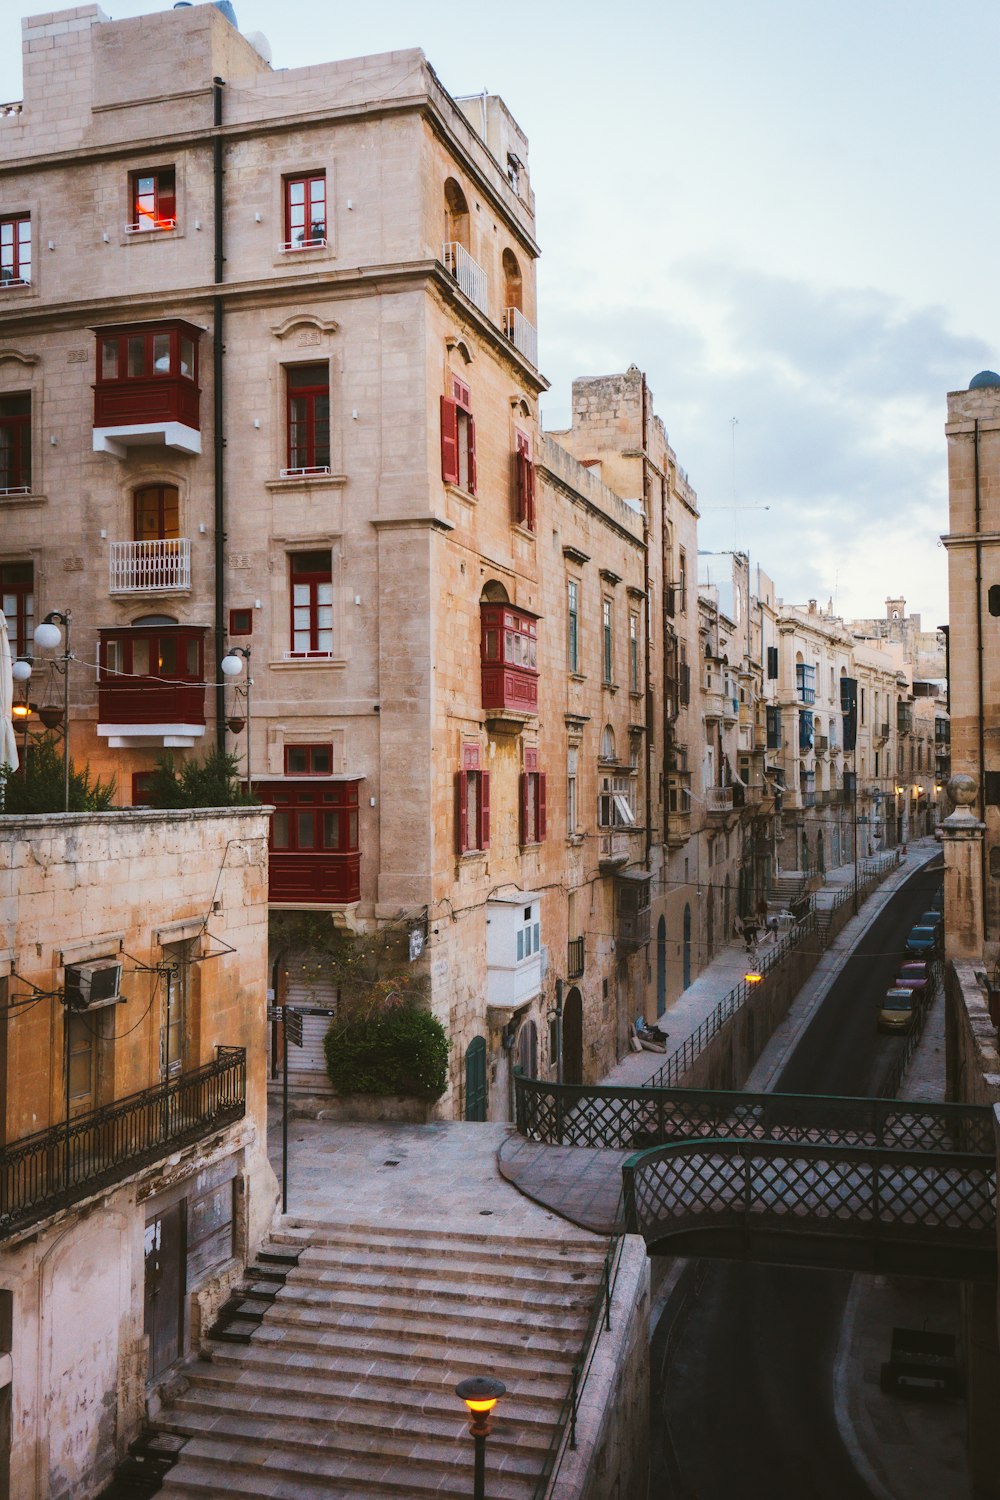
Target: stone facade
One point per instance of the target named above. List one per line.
(186, 919)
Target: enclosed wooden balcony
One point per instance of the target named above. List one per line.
(509, 660)
(314, 857)
(151, 685)
(146, 392)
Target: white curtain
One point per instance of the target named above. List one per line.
(8, 746)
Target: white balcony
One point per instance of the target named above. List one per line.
(719, 799)
(468, 273)
(150, 567)
(522, 334)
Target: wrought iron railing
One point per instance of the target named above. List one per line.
(575, 957)
(607, 1115)
(911, 1202)
(67, 1162)
(564, 1431)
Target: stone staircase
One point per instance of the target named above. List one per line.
(345, 1385)
(784, 889)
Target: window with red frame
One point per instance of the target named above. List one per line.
(308, 820)
(308, 760)
(142, 782)
(15, 250)
(532, 799)
(308, 417)
(155, 513)
(153, 199)
(17, 592)
(241, 622)
(164, 351)
(472, 797)
(305, 211)
(458, 438)
(524, 482)
(312, 604)
(171, 655)
(15, 443)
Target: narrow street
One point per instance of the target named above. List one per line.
(748, 1390)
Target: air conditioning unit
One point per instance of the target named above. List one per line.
(91, 985)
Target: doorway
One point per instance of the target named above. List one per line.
(164, 1288)
(572, 1037)
(475, 1080)
(661, 966)
(687, 946)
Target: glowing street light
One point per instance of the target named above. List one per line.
(480, 1394)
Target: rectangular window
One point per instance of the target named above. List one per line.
(177, 1021)
(241, 622)
(633, 652)
(682, 581)
(615, 802)
(524, 482)
(305, 211)
(15, 250)
(573, 624)
(17, 590)
(156, 513)
(572, 758)
(458, 438)
(141, 785)
(312, 604)
(772, 662)
(308, 389)
(607, 622)
(153, 199)
(805, 682)
(473, 810)
(532, 807)
(15, 444)
(308, 760)
(773, 727)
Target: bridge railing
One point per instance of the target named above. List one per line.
(926, 1198)
(606, 1115)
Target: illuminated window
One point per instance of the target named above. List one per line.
(153, 200)
(15, 250)
(305, 211)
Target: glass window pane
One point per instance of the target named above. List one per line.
(306, 826)
(187, 357)
(331, 830)
(297, 760)
(168, 657)
(325, 641)
(296, 192)
(192, 659)
(109, 359)
(324, 593)
(301, 617)
(136, 357)
(300, 593)
(322, 760)
(279, 830)
(112, 656)
(140, 658)
(161, 353)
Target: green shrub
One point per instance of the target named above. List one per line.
(212, 782)
(38, 786)
(401, 1051)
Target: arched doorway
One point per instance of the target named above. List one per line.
(572, 1037)
(511, 282)
(456, 215)
(687, 946)
(527, 1050)
(475, 1079)
(661, 966)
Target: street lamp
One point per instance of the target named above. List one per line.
(232, 666)
(480, 1394)
(48, 635)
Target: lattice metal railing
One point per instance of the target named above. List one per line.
(890, 1194)
(608, 1116)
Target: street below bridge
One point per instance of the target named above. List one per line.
(747, 1398)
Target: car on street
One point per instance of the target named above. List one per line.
(913, 977)
(897, 1011)
(930, 919)
(922, 940)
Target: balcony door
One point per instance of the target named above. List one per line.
(156, 513)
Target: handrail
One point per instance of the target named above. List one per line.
(613, 1117)
(599, 1321)
(65, 1163)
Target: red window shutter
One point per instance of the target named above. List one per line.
(484, 809)
(472, 455)
(520, 490)
(461, 812)
(529, 490)
(449, 441)
(525, 810)
(540, 813)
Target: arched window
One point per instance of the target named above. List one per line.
(511, 281)
(527, 1049)
(456, 215)
(608, 743)
(494, 593)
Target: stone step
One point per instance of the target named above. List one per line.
(424, 1367)
(278, 1422)
(310, 1234)
(249, 1383)
(220, 1468)
(411, 1339)
(398, 1264)
(443, 1301)
(424, 1326)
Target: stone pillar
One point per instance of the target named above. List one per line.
(962, 835)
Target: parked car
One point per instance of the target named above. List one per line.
(897, 1010)
(930, 919)
(922, 940)
(914, 977)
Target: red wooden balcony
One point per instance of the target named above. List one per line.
(509, 659)
(151, 685)
(313, 853)
(146, 392)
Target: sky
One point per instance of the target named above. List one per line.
(785, 215)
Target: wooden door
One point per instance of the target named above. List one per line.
(475, 1080)
(164, 1294)
(572, 1037)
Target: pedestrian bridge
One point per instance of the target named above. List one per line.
(881, 1185)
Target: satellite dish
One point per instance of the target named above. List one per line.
(260, 43)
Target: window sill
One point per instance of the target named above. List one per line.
(20, 497)
(460, 494)
(532, 847)
(636, 693)
(306, 482)
(610, 687)
(293, 254)
(577, 676)
(298, 662)
(472, 856)
(574, 840)
(148, 236)
(526, 531)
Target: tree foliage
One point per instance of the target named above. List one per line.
(212, 782)
(37, 786)
(401, 1051)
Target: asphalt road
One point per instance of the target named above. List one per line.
(746, 1405)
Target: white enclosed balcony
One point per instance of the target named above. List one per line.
(522, 334)
(150, 567)
(468, 273)
(719, 799)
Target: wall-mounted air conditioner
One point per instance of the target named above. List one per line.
(91, 985)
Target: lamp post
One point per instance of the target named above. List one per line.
(480, 1394)
(48, 636)
(232, 666)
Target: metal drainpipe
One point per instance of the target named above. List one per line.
(219, 440)
(647, 534)
(979, 672)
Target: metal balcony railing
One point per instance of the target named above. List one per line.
(139, 566)
(575, 958)
(468, 273)
(522, 334)
(66, 1163)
